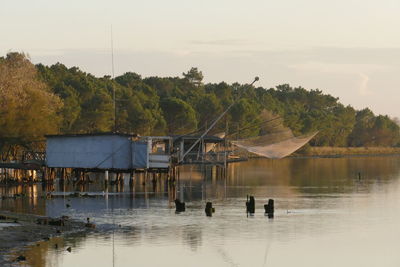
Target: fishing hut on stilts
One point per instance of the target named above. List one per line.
(114, 155)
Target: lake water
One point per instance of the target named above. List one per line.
(325, 215)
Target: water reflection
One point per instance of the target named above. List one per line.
(23, 199)
(323, 211)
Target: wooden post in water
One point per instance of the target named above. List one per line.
(62, 176)
(52, 174)
(106, 178)
(146, 174)
(269, 208)
(173, 174)
(209, 209)
(132, 180)
(132, 177)
(76, 176)
(44, 175)
(84, 177)
(225, 165)
(250, 205)
(16, 175)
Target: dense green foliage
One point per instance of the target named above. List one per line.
(28, 108)
(177, 105)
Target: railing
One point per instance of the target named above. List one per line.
(34, 155)
(213, 157)
(158, 160)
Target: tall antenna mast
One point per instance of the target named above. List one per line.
(112, 69)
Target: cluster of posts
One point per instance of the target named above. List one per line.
(80, 177)
(250, 207)
(18, 176)
(75, 176)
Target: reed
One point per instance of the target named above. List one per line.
(347, 151)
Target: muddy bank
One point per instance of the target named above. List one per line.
(20, 230)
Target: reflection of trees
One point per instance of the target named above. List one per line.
(45, 253)
(28, 199)
(37, 254)
(264, 177)
(260, 177)
(311, 175)
(192, 236)
(340, 175)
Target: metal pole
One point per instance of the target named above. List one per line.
(112, 69)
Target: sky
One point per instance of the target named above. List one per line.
(347, 48)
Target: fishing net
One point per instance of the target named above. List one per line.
(212, 146)
(272, 146)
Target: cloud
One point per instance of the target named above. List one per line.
(363, 88)
(358, 72)
(221, 42)
(336, 67)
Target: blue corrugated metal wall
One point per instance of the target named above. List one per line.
(139, 155)
(93, 152)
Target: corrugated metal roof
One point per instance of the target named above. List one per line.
(91, 134)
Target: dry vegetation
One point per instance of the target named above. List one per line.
(347, 151)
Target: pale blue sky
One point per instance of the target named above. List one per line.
(348, 48)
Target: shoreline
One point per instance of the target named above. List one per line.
(343, 152)
(23, 230)
(334, 156)
(340, 152)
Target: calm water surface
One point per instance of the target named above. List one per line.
(324, 216)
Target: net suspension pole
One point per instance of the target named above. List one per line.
(213, 124)
(113, 76)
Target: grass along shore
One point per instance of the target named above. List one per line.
(326, 151)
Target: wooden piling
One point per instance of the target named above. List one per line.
(44, 175)
(132, 177)
(209, 209)
(250, 205)
(62, 176)
(106, 177)
(269, 208)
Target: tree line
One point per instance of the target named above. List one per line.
(36, 100)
